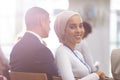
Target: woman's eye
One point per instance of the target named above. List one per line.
(81, 25)
(72, 26)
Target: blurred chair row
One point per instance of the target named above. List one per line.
(27, 76)
(115, 68)
(30, 76)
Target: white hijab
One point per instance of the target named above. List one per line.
(61, 22)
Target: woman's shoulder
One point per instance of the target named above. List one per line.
(62, 50)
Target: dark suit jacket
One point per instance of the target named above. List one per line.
(30, 55)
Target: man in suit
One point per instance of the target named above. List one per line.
(30, 54)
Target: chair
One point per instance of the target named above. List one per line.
(59, 78)
(115, 63)
(27, 76)
(56, 78)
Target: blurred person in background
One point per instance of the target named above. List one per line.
(4, 65)
(115, 64)
(85, 49)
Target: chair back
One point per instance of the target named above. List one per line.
(59, 78)
(56, 78)
(27, 76)
(115, 63)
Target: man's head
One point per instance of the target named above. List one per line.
(87, 28)
(37, 20)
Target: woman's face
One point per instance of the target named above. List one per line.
(74, 30)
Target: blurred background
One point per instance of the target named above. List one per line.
(103, 15)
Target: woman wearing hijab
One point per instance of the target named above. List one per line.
(70, 62)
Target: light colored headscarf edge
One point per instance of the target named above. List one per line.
(61, 22)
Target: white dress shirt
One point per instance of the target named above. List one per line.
(70, 66)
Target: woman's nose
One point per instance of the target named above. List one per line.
(80, 29)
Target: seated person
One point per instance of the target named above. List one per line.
(70, 62)
(115, 64)
(30, 54)
(2, 77)
(4, 65)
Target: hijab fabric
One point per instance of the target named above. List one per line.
(61, 22)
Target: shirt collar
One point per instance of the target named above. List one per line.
(36, 36)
